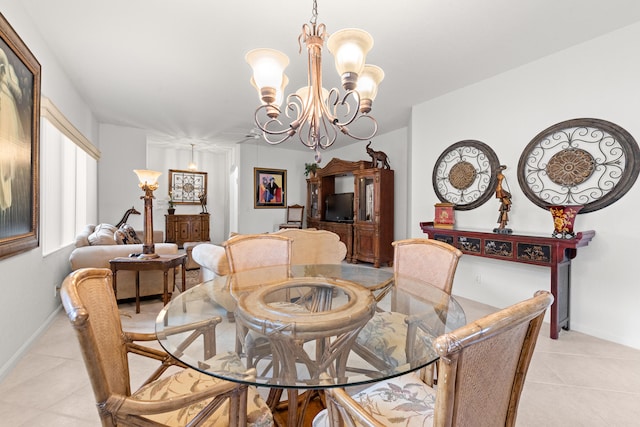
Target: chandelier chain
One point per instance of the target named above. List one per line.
(314, 13)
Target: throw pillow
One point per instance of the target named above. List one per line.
(126, 235)
(102, 235)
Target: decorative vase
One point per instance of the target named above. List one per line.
(171, 211)
(563, 220)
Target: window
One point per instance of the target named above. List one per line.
(68, 184)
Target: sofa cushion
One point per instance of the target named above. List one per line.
(82, 238)
(102, 235)
(126, 235)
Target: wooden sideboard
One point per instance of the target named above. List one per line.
(368, 238)
(555, 253)
(186, 228)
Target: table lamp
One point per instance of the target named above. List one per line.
(149, 183)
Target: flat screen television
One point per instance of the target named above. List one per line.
(339, 207)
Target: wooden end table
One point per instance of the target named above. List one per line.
(163, 262)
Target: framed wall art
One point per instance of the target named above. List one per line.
(269, 188)
(586, 161)
(187, 187)
(19, 144)
(465, 174)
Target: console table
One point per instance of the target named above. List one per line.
(551, 252)
(186, 228)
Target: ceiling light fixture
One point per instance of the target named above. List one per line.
(316, 113)
(192, 166)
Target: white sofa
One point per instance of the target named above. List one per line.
(309, 246)
(86, 255)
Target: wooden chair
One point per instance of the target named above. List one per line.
(425, 260)
(175, 400)
(481, 370)
(295, 214)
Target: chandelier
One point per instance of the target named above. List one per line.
(315, 114)
(192, 166)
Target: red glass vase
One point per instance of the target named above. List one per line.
(564, 218)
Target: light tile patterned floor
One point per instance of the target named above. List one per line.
(576, 380)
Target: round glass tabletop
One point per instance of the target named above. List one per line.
(293, 324)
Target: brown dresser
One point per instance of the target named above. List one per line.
(186, 228)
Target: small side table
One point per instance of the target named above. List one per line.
(163, 262)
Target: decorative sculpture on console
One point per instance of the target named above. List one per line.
(203, 202)
(505, 202)
(378, 157)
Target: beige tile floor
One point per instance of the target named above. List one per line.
(576, 380)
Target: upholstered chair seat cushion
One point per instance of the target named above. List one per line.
(385, 336)
(402, 401)
(189, 381)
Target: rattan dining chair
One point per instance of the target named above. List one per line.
(388, 336)
(187, 397)
(481, 370)
(251, 252)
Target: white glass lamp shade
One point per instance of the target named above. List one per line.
(349, 48)
(268, 71)
(147, 177)
(279, 92)
(369, 81)
(303, 93)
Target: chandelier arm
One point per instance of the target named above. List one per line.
(351, 114)
(345, 130)
(331, 133)
(286, 133)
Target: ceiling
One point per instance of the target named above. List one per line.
(177, 68)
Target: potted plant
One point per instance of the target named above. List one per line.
(310, 169)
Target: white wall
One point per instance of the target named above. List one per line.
(596, 79)
(123, 150)
(264, 156)
(29, 279)
(217, 166)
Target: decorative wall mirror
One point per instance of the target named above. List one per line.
(588, 162)
(187, 186)
(465, 174)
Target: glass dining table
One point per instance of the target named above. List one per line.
(307, 327)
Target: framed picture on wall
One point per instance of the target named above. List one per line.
(187, 187)
(19, 144)
(269, 188)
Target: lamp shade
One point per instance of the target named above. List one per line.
(303, 93)
(349, 48)
(369, 81)
(148, 177)
(268, 70)
(279, 92)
